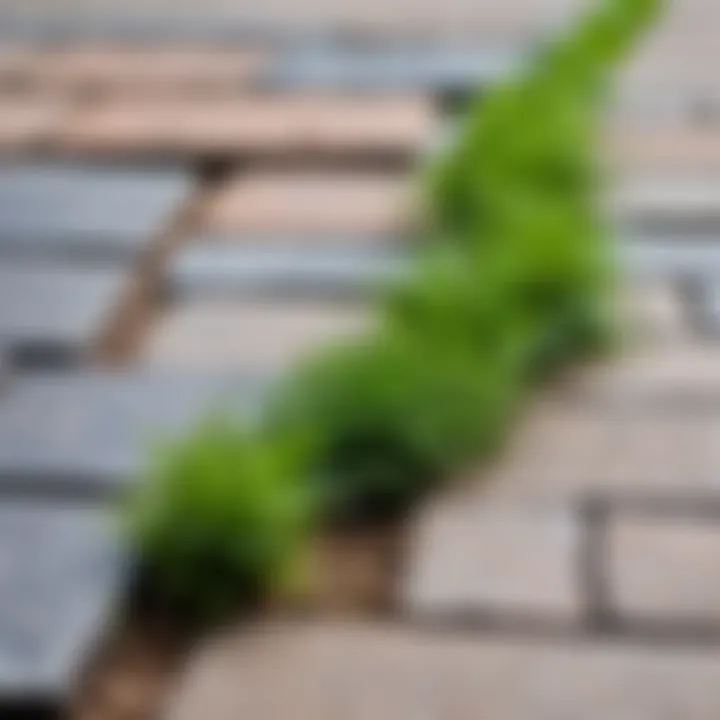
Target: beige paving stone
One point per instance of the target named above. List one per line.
(665, 568)
(117, 69)
(301, 203)
(272, 124)
(659, 147)
(566, 449)
(366, 672)
(27, 123)
(506, 559)
(222, 334)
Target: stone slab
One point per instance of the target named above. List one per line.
(363, 671)
(669, 203)
(353, 205)
(28, 124)
(671, 256)
(86, 213)
(664, 569)
(665, 148)
(116, 68)
(61, 573)
(88, 434)
(286, 124)
(625, 444)
(402, 67)
(228, 334)
(55, 315)
(295, 270)
(495, 560)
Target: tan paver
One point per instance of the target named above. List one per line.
(293, 203)
(27, 123)
(275, 125)
(236, 334)
(665, 568)
(645, 147)
(506, 559)
(146, 70)
(366, 672)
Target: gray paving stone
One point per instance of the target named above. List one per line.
(86, 213)
(670, 203)
(664, 568)
(283, 270)
(88, 434)
(495, 560)
(671, 256)
(363, 671)
(55, 315)
(394, 68)
(61, 572)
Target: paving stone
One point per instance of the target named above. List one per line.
(61, 573)
(623, 445)
(380, 672)
(273, 124)
(86, 213)
(662, 204)
(247, 335)
(495, 560)
(671, 256)
(295, 270)
(28, 123)
(56, 315)
(351, 205)
(654, 312)
(89, 433)
(403, 67)
(127, 69)
(646, 147)
(664, 569)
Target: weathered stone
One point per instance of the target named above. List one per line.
(291, 203)
(104, 68)
(497, 561)
(89, 433)
(664, 568)
(55, 315)
(401, 67)
(61, 575)
(85, 213)
(285, 124)
(220, 334)
(28, 123)
(293, 270)
(365, 671)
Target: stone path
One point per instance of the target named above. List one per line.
(181, 221)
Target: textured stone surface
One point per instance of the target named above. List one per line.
(664, 568)
(27, 123)
(402, 67)
(495, 560)
(84, 212)
(139, 70)
(55, 314)
(230, 334)
(89, 433)
(657, 201)
(60, 572)
(350, 205)
(282, 124)
(672, 256)
(295, 270)
(363, 671)
(666, 147)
